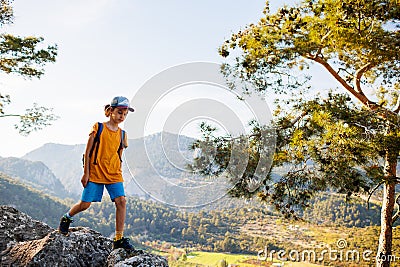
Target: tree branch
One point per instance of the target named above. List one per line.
(320, 48)
(397, 107)
(360, 96)
(373, 190)
(325, 36)
(239, 137)
(10, 115)
(293, 122)
(359, 73)
(342, 69)
(397, 214)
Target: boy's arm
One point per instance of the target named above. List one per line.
(89, 145)
(125, 143)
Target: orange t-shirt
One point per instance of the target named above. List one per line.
(108, 167)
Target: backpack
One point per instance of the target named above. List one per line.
(96, 145)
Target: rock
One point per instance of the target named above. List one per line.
(26, 242)
(82, 247)
(16, 226)
(137, 258)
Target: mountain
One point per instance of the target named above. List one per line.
(64, 161)
(145, 160)
(34, 173)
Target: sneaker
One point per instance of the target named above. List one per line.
(64, 225)
(122, 243)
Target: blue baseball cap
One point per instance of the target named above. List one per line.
(121, 102)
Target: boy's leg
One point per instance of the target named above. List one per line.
(117, 195)
(120, 213)
(78, 207)
(120, 241)
(92, 192)
(66, 220)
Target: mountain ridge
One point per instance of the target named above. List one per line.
(65, 161)
(34, 173)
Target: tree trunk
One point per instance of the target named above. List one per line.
(385, 239)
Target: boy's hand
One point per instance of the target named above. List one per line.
(85, 180)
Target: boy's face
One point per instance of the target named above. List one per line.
(119, 114)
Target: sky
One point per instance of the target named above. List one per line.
(108, 48)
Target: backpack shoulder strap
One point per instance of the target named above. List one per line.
(122, 139)
(121, 145)
(99, 130)
(96, 143)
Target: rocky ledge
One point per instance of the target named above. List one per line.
(26, 242)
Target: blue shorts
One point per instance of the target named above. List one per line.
(93, 192)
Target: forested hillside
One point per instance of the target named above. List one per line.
(332, 209)
(226, 226)
(31, 201)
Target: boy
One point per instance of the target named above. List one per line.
(103, 169)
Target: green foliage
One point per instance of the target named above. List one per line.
(6, 12)
(333, 145)
(27, 57)
(351, 35)
(324, 143)
(4, 100)
(34, 119)
(22, 55)
(327, 142)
